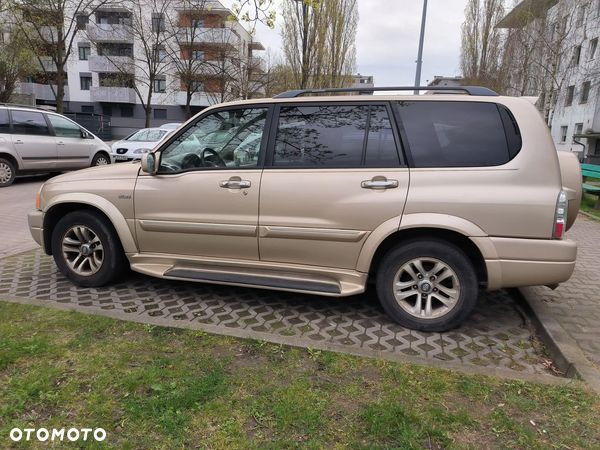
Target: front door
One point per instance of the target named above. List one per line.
(334, 176)
(204, 199)
(74, 151)
(32, 140)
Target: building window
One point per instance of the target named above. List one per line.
(198, 55)
(570, 95)
(576, 55)
(126, 111)
(158, 22)
(197, 23)
(160, 113)
(578, 131)
(86, 82)
(196, 86)
(580, 15)
(160, 85)
(84, 52)
(593, 48)
(107, 109)
(82, 21)
(585, 92)
(87, 109)
(563, 133)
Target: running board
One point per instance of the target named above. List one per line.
(285, 281)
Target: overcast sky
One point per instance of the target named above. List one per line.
(388, 39)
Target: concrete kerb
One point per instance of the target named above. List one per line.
(502, 373)
(564, 350)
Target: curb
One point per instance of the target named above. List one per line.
(563, 349)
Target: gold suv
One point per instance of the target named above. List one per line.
(431, 197)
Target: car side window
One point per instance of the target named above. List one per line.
(64, 128)
(454, 133)
(224, 139)
(29, 122)
(4, 121)
(381, 145)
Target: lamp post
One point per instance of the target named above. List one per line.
(420, 55)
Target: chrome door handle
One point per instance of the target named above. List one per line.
(235, 184)
(60, 143)
(18, 141)
(379, 184)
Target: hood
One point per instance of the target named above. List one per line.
(109, 172)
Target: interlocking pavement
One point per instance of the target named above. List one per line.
(496, 336)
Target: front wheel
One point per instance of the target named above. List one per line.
(86, 249)
(427, 285)
(101, 159)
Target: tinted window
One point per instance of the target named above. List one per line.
(27, 122)
(64, 128)
(4, 122)
(324, 135)
(381, 147)
(454, 134)
(513, 134)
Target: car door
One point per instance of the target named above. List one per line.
(204, 199)
(32, 140)
(334, 173)
(73, 150)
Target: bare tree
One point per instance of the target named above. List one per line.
(341, 37)
(50, 27)
(17, 59)
(481, 49)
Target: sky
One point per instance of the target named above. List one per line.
(388, 39)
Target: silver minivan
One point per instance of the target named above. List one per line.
(35, 140)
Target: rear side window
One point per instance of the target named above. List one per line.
(28, 122)
(335, 136)
(456, 134)
(4, 121)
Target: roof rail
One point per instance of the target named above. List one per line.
(471, 90)
(41, 108)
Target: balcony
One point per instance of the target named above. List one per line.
(199, 98)
(111, 64)
(41, 91)
(223, 36)
(112, 94)
(98, 32)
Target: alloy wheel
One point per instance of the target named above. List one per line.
(82, 250)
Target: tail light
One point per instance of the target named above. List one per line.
(560, 217)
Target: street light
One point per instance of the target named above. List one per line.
(420, 55)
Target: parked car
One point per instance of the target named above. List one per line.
(138, 143)
(171, 126)
(430, 197)
(33, 140)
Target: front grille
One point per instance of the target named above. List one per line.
(121, 151)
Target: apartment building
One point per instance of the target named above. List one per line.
(553, 48)
(201, 54)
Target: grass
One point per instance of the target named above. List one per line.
(588, 204)
(155, 387)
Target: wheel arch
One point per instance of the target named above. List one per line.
(102, 151)
(59, 207)
(12, 158)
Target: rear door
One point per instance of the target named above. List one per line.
(32, 140)
(334, 174)
(73, 151)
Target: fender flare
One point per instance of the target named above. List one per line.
(110, 210)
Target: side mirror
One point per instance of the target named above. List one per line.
(149, 163)
(84, 134)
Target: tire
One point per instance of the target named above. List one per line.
(91, 273)
(8, 172)
(451, 294)
(100, 159)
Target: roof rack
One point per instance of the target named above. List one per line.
(471, 90)
(39, 107)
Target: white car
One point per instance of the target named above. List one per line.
(136, 144)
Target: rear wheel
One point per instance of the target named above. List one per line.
(100, 159)
(7, 172)
(427, 285)
(87, 250)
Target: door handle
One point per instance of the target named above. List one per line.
(18, 141)
(60, 143)
(379, 183)
(235, 183)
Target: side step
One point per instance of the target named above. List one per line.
(285, 281)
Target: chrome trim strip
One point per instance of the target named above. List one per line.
(317, 234)
(224, 229)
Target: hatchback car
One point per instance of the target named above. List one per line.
(138, 143)
(34, 140)
(430, 198)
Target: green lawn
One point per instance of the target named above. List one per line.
(588, 204)
(154, 387)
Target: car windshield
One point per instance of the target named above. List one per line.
(147, 136)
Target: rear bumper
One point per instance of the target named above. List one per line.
(35, 219)
(527, 262)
